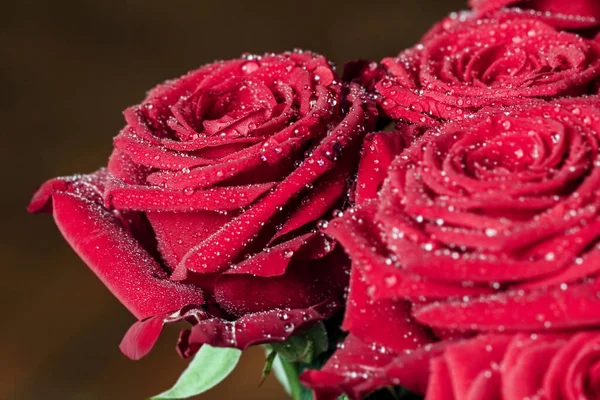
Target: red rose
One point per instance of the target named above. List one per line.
(552, 366)
(503, 205)
(561, 366)
(569, 14)
(465, 64)
(490, 223)
(207, 209)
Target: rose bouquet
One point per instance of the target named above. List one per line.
(424, 226)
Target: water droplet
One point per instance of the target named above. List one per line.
(491, 232)
(386, 83)
(338, 213)
(322, 224)
(390, 280)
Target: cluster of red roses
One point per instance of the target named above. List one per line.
(471, 231)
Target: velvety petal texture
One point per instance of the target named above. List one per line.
(112, 252)
(465, 63)
(508, 202)
(446, 201)
(562, 366)
(381, 331)
(483, 224)
(208, 208)
(570, 14)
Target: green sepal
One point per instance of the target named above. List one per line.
(303, 348)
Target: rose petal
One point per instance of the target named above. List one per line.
(145, 198)
(251, 329)
(365, 317)
(355, 369)
(440, 381)
(387, 278)
(274, 260)
(541, 309)
(554, 384)
(466, 359)
(573, 14)
(303, 285)
(525, 364)
(203, 258)
(142, 337)
(326, 193)
(378, 152)
(133, 276)
(413, 370)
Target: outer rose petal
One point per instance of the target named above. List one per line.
(542, 309)
(359, 235)
(355, 369)
(302, 286)
(176, 232)
(270, 326)
(252, 329)
(524, 371)
(380, 331)
(440, 381)
(412, 370)
(144, 198)
(557, 366)
(275, 261)
(464, 367)
(554, 384)
(358, 368)
(141, 337)
(378, 152)
(133, 276)
(322, 197)
(387, 323)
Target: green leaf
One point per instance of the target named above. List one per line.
(303, 348)
(209, 367)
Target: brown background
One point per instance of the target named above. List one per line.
(67, 69)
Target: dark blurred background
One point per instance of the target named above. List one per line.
(67, 69)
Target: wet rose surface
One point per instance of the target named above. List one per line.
(464, 64)
(519, 366)
(466, 255)
(572, 14)
(504, 204)
(381, 331)
(207, 211)
(551, 366)
(487, 224)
